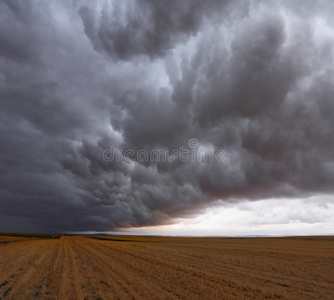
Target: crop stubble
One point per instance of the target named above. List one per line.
(109, 267)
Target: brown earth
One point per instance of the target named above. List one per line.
(115, 267)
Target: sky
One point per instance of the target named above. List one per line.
(167, 117)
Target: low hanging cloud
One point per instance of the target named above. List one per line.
(254, 79)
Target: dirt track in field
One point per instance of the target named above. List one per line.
(166, 268)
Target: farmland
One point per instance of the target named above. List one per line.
(124, 267)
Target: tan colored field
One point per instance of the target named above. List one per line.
(166, 268)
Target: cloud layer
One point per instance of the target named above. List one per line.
(76, 77)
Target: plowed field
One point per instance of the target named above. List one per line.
(76, 267)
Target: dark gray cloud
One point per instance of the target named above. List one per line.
(131, 28)
(252, 78)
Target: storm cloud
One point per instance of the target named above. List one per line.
(254, 78)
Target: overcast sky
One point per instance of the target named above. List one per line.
(250, 80)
